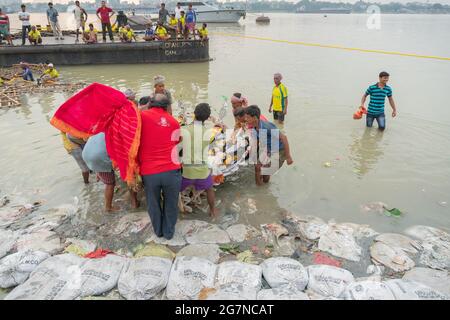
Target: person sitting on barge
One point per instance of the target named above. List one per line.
(161, 32)
(34, 36)
(90, 36)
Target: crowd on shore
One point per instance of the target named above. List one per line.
(182, 23)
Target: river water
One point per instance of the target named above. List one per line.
(407, 166)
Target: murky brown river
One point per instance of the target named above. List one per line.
(407, 166)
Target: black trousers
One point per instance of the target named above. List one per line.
(107, 26)
(25, 31)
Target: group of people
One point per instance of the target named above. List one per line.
(49, 74)
(173, 156)
(174, 25)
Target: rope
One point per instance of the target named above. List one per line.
(309, 44)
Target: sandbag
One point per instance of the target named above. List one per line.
(229, 291)
(391, 257)
(56, 278)
(188, 276)
(208, 234)
(7, 241)
(368, 290)
(144, 278)
(411, 290)
(208, 251)
(283, 292)
(436, 279)
(281, 271)
(101, 275)
(328, 280)
(340, 242)
(242, 232)
(43, 240)
(16, 268)
(246, 274)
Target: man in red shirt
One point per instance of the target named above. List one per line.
(160, 166)
(104, 14)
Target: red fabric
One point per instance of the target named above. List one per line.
(99, 253)
(321, 258)
(263, 118)
(99, 108)
(159, 139)
(104, 14)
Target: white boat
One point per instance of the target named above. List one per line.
(210, 13)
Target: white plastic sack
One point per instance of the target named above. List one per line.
(56, 278)
(144, 278)
(209, 234)
(436, 279)
(399, 241)
(284, 292)
(16, 268)
(368, 290)
(188, 276)
(242, 232)
(246, 274)
(281, 271)
(391, 257)
(411, 290)
(101, 275)
(232, 291)
(328, 280)
(208, 251)
(340, 242)
(7, 241)
(43, 240)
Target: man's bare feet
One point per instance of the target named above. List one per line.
(113, 209)
(214, 213)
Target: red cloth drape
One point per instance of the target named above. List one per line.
(99, 108)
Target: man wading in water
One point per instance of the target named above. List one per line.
(279, 101)
(378, 93)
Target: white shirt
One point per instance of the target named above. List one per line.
(25, 18)
(77, 12)
(178, 12)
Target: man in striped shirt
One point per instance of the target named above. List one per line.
(378, 93)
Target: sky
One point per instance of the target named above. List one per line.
(337, 1)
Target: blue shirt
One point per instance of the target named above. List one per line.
(149, 32)
(377, 98)
(265, 132)
(27, 75)
(191, 16)
(52, 14)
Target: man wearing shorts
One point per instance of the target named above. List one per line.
(74, 147)
(191, 20)
(196, 172)
(80, 18)
(272, 146)
(279, 101)
(378, 93)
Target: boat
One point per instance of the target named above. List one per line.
(262, 19)
(211, 13)
(325, 10)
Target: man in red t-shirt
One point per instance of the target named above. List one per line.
(104, 14)
(160, 165)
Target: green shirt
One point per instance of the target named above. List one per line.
(196, 139)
